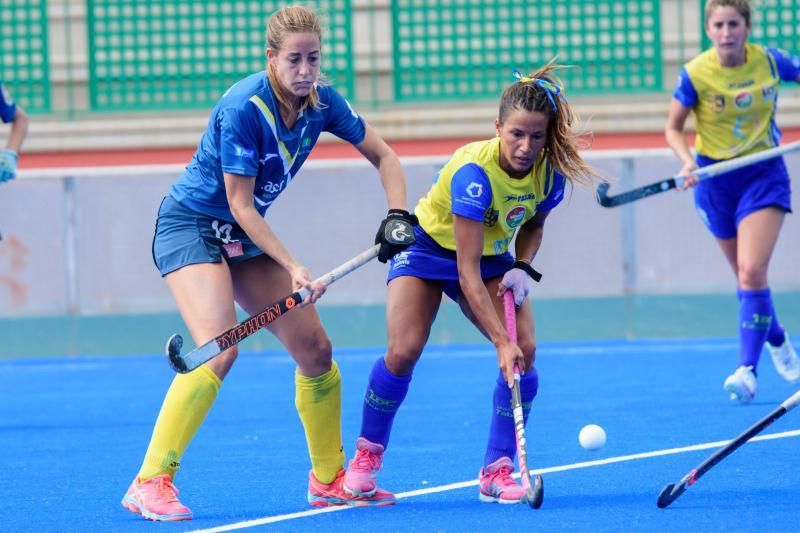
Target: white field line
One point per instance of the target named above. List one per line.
(465, 484)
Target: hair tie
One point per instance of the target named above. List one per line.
(552, 90)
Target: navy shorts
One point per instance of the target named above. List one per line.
(725, 200)
(185, 237)
(425, 259)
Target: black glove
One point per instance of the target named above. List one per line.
(395, 234)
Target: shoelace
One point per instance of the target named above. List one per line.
(168, 490)
(502, 477)
(366, 461)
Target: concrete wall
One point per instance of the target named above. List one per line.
(79, 241)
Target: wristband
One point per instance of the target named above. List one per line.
(528, 269)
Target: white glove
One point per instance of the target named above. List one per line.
(517, 280)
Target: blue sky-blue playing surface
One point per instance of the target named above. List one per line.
(73, 432)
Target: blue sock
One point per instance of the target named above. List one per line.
(776, 335)
(755, 317)
(385, 393)
(502, 439)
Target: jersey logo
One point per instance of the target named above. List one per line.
(521, 198)
(717, 102)
(515, 217)
(267, 158)
(244, 152)
(743, 100)
(474, 189)
(490, 217)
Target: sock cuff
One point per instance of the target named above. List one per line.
(317, 382)
(758, 293)
(380, 370)
(209, 374)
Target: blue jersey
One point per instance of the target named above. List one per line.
(247, 136)
(8, 110)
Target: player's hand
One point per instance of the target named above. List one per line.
(507, 355)
(395, 234)
(8, 165)
(689, 179)
(517, 281)
(301, 279)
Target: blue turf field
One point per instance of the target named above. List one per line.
(73, 432)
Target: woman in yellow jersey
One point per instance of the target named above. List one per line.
(732, 89)
(485, 193)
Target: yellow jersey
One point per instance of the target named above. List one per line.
(473, 185)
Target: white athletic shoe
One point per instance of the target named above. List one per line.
(741, 384)
(785, 359)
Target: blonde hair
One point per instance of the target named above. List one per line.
(542, 92)
(285, 21)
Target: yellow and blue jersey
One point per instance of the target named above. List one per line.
(473, 185)
(8, 110)
(247, 136)
(735, 107)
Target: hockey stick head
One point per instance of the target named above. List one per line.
(174, 345)
(670, 493)
(602, 195)
(536, 497)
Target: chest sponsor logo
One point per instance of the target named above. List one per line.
(521, 198)
(272, 187)
(515, 217)
(743, 100)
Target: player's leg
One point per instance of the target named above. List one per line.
(496, 483)
(205, 299)
(758, 234)
(411, 306)
(317, 380)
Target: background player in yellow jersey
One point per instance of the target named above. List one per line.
(13, 113)
(485, 193)
(732, 89)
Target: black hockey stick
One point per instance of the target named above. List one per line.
(671, 492)
(534, 492)
(710, 171)
(242, 330)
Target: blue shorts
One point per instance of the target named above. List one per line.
(725, 200)
(425, 259)
(185, 237)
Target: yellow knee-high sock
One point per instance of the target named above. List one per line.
(186, 405)
(319, 404)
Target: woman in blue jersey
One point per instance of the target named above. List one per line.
(732, 89)
(13, 113)
(214, 247)
(487, 192)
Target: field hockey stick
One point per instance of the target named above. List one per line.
(242, 330)
(671, 492)
(534, 492)
(710, 171)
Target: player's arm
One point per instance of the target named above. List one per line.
(529, 237)
(385, 160)
(239, 191)
(19, 129)
(469, 243)
(676, 139)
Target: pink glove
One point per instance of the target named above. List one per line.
(516, 280)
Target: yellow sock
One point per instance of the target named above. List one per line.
(319, 404)
(186, 405)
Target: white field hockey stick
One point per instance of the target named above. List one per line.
(671, 492)
(242, 330)
(710, 171)
(534, 492)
